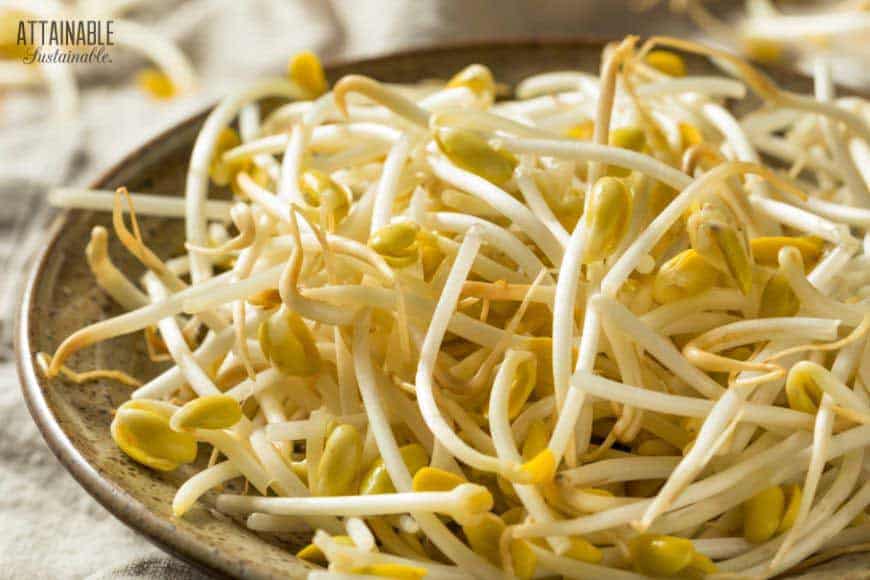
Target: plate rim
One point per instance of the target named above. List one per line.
(114, 498)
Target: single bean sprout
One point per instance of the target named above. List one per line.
(459, 336)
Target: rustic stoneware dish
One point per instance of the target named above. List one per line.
(61, 296)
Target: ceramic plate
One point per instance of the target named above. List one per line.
(61, 296)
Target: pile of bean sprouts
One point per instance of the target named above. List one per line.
(770, 31)
(602, 329)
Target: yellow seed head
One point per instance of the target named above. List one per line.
(224, 173)
(631, 138)
(539, 469)
(392, 570)
(209, 412)
(607, 218)
(656, 448)
(690, 135)
(778, 298)
(483, 537)
(523, 559)
(766, 249)
(397, 243)
(701, 566)
(146, 437)
(582, 131)
(667, 62)
(684, 275)
(313, 554)
(435, 479)
(793, 495)
(340, 464)
(473, 153)
(156, 84)
(657, 555)
(266, 299)
(514, 516)
(473, 501)
(321, 191)
(476, 77)
(536, 439)
(713, 234)
(583, 550)
(306, 71)
(288, 344)
(802, 391)
(763, 50)
(522, 386)
(377, 479)
(762, 514)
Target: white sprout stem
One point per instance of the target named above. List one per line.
(713, 299)
(428, 353)
(564, 302)
(662, 348)
(387, 189)
(493, 234)
(291, 164)
(396, 468)
(767, 415)
(572, 408)
(621, 469)
(195, 300)
(108, 277)
(239, 454)
(855, 216)
(541, 209)
(582, 151)
(705, 445)
(446, 502)
(803, 220)
(146, 204)
(799, 27)
(708, 86)
(501, 201)
(213, 348)
(194, 375)
(196, 187)
(742, 147)
(323, 137)
(199, 484)
(484, 266)
(506, 447)
(852, 178)
(360, 534)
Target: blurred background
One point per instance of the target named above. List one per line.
(64, 124)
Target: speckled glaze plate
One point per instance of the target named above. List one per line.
(61, 296)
